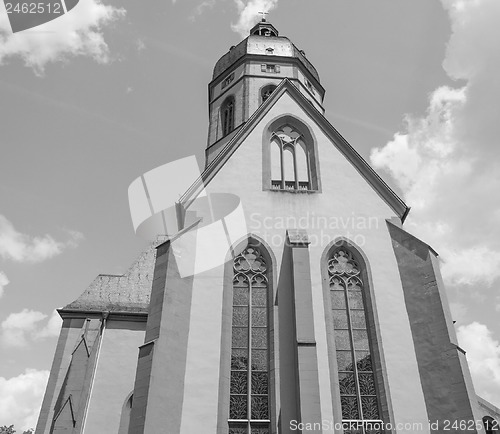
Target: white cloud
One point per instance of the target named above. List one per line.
(483, 355)
(472, 265)
(21, 327)
(249, 14)
(4, 281)
(51, 329)
(76, 33)
(140, 45)
(207, 4)
(447, 162)
(458, 312)
(20, 247)
(21, 398)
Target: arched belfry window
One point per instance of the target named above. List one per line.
(266, 92)
(249, 401)
(353, 344)
(290, 160)
(227, 116)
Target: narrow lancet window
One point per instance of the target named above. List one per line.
(249, 390)
(358, 390)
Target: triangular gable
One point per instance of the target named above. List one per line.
(377, 183)
(125, 293)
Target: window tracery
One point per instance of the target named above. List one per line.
(358, 390)
(290, 166)
(249, 385)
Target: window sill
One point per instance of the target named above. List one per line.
(279, 190)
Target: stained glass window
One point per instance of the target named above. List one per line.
(358, 390)
(289, 160)
(249, 385)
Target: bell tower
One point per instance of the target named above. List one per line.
(246, 76)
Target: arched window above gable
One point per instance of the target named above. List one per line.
(290, 156)
(357, 386)
(227, 115)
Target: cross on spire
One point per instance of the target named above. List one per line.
(263, 15)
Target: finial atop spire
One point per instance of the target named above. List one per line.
(263, 16)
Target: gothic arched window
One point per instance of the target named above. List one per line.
(358, 388)
(227, 115)
(249, 391)
(290, 165)
(266, 92)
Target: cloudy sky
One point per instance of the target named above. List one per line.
(115, 88)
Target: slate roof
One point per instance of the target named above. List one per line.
(129, 292)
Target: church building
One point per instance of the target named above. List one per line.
(323, 316)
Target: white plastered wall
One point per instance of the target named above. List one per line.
(347, 198)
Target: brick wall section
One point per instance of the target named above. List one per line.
(441, 372)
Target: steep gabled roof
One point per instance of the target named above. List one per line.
(286, 86)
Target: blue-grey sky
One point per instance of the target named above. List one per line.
(113, 89)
